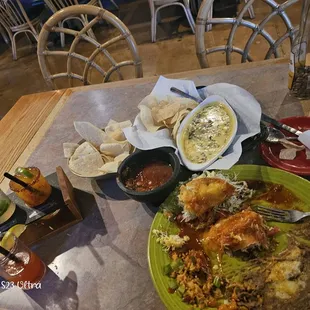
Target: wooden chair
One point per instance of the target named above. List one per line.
(156, 5)
(14, 20)
(100, 49)
(204, 19)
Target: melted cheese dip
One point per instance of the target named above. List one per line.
(208, 132)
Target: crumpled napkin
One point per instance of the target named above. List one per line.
(246, 107)
(304, 138)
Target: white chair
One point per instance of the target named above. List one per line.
(204, 19)
(156, 5)
(14, 20)
(4, 36)
(90, 61)
(56, 5)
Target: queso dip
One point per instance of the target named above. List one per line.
(207, 133)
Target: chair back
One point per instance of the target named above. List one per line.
(257, 29)
(12, 13)
(89, 63)
(56, 5)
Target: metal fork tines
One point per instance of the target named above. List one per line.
(280, 215)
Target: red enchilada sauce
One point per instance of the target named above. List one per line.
(150, 176)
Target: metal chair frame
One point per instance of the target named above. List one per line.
(14, 19)
(4, 35)
(195, 8)
(156, 5)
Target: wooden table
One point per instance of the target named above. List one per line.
(102, 262)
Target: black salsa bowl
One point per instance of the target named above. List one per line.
(133, 164)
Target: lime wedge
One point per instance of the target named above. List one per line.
(24, 171)
(8, 239)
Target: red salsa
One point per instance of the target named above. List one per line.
(150, 176)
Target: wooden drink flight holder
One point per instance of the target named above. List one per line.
(59, 212)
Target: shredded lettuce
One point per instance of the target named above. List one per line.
(171, 206)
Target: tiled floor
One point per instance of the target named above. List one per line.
(173, 52)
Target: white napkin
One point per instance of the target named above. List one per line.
(163, 85)
(139, 137)
(246, 107)
(304, 138)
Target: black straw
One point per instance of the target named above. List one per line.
(11, 256)
(22, 183)
(15, 179)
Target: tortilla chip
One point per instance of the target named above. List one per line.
(84, 149)
(175, 117)
(114, 149)
(185, 102)
(162, 104)
(149, 101)
(69, 149)
(107, 158)
(307, 153)
(121, 157)
(176, 127)
(175, 130)
(126, 146)
(86, 165)
(171, 122)
(91, 133)
(170, 108)
(168, 123)
(115, 130)
(161, 114)
(147, 119)
(109, 167)
(288, 154)
(117, 135)
(182, 114)
(111, 122)
(166, 112)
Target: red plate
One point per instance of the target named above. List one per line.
(270, 152)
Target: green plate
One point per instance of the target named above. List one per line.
(157, 258)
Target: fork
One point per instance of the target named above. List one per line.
(279, 215)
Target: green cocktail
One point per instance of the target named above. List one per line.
(7, 207)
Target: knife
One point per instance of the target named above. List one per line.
(279, 125)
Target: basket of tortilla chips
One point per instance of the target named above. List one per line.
(100, 152)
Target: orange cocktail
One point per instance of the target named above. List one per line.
(27, 271)
(38, 190)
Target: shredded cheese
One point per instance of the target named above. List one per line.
(169, 242)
